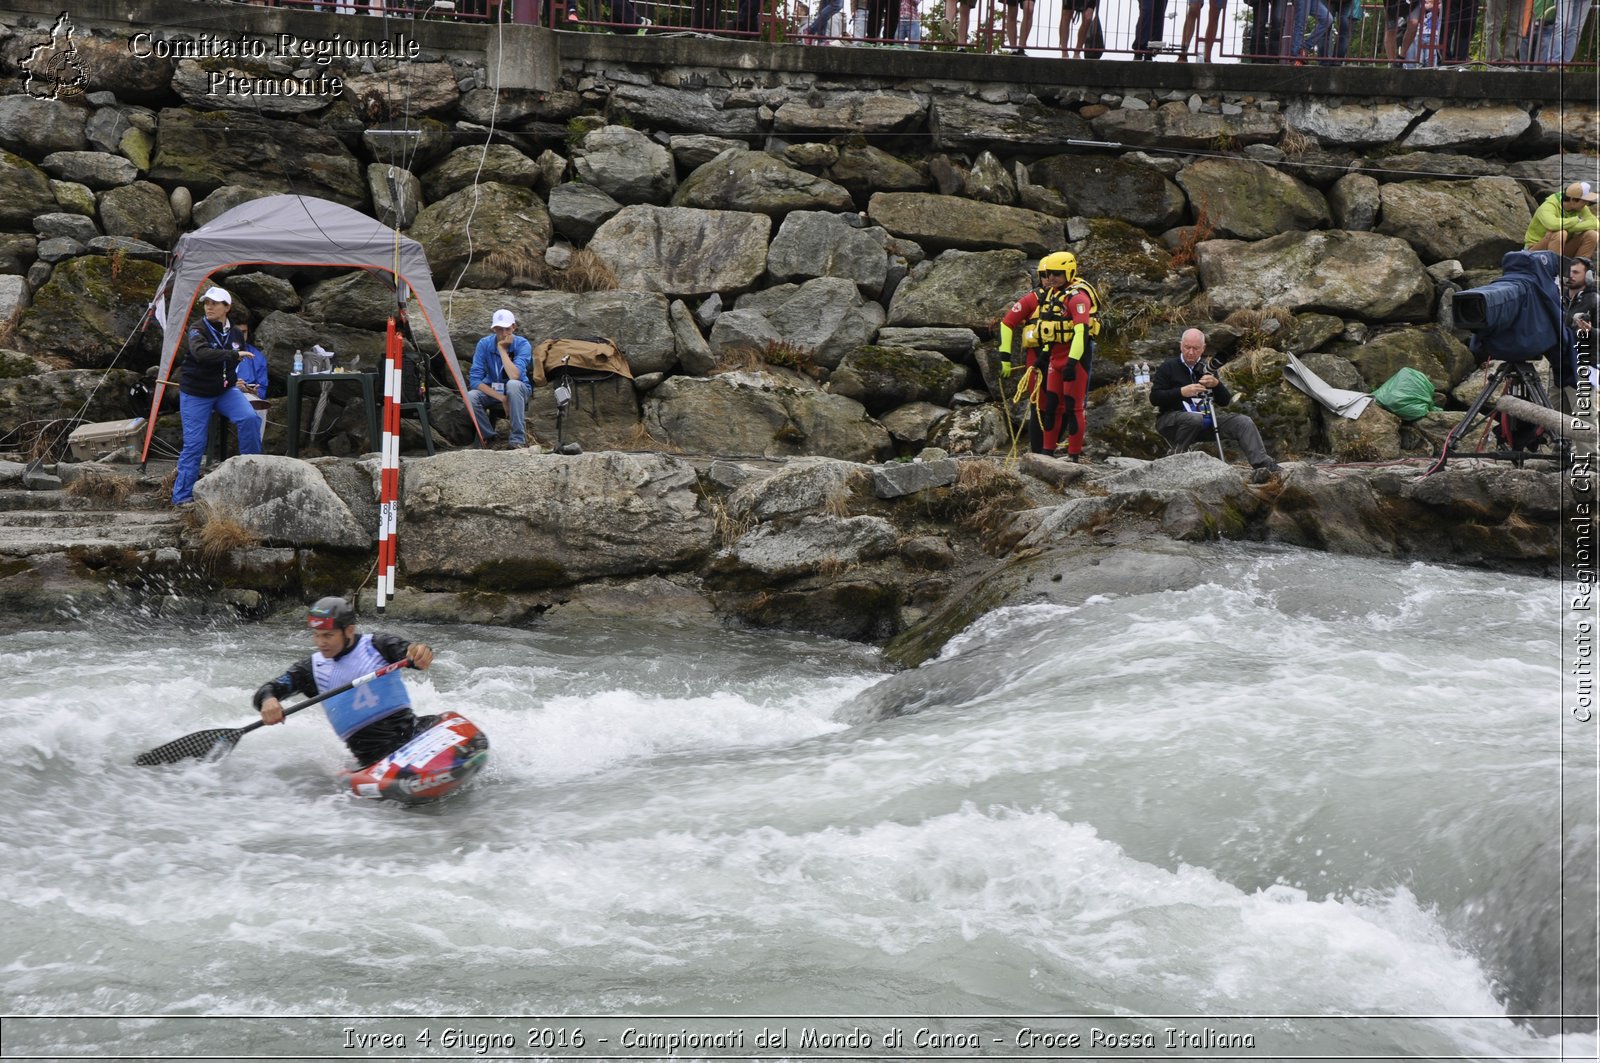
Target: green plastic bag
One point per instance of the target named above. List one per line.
(1408, 395)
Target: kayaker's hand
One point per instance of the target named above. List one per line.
(420, 655)
(271, 711)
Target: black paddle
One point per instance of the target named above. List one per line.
(219, 742)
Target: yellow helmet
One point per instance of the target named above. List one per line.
(1060, 262)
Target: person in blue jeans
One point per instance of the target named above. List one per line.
(502, 368)
(208, 385)
(819, 25)
(252, 374)
(1304, 9)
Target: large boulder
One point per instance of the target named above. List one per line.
(864, 169)
(626, 165)
(409, 88)
(943, 222)
(110, 65)
(761, 414)
(811, 545)
(684, 252)
(961, 289)
(24, 192)
(883, 378)
(1430, 350)
(207, 85)
(500, 163)
(1285, 415)
(556, 520)
(206, 150)
(740, 179)
(1176, 127)
(89, 308)
(1476, 222)
(140, 210)
(1353, 275)
(284, 501)
(38, 397)
(966, 124)
(706, 112)
(849, 114)
(95, 169)
(470, 224)
(578, 210)
(40, 127)
(826, 317)
(818, 244)
(1359, 126)
(1120, 258)
(799, 488)
(1250, 200)
(1482, 129)
(1097, 187)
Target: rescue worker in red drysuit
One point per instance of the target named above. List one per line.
(1060, 315)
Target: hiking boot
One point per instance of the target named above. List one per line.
(1265, 471)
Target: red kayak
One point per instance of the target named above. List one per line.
(436, 763)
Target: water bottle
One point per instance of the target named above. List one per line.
(1141, 373)
(299, 362)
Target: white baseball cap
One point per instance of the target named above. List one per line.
(218, 295)
(502, 319)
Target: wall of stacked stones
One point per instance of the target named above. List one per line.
(795, 259)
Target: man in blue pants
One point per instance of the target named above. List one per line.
(210, 373)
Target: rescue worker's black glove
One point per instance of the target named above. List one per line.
(1070, 373)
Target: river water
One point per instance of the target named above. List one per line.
(1317, 807)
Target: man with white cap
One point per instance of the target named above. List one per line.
(1565, 223)
(502, 366)
(207, 386)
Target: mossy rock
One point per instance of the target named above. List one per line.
(1429, 349)
(89, 308)
(1285, 416)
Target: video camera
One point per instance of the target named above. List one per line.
(1518, 317)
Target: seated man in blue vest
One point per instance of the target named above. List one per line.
(374, 719)
(501, 379)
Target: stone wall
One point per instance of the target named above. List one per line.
(840, 227)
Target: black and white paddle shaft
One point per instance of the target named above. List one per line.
(219, 742)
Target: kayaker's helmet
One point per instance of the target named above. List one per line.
(1064, 262)
(330, 613)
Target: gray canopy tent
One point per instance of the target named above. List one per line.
(289, 231)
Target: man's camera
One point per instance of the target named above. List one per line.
(1506, 314)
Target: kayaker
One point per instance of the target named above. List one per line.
(374, 719)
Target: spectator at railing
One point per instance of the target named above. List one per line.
(909, 29)
(1086, 12)
(1422, 45)
(1460, 21)
(1346, 26)
(1017, 40)
(957, 13)
(1305, 10)
(1191, 24)
(1148, 30)
(883, 16)
(818, 26)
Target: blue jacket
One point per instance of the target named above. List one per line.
(253, 370)
(487, 367)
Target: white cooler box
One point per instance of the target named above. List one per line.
(91, 442)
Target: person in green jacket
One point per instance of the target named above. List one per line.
(1565, 224)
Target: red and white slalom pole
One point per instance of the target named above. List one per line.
(389, 467)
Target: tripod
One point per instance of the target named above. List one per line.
(1519, 437)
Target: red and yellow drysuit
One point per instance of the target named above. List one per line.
(1062, 320)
